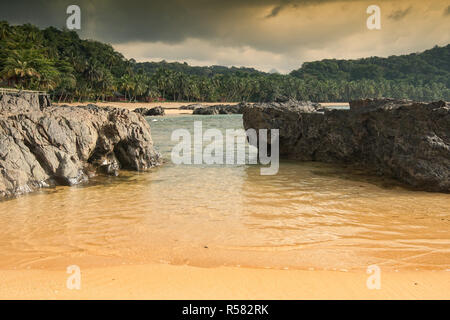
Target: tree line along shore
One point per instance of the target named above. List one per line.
(75, 70)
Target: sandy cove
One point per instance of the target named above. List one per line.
(163, 281)
(159, 281)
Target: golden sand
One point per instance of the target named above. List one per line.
(171, 108)
(183, 282)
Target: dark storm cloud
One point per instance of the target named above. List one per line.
(284, 4)
(143, 20)
(399, 14)
(275, 11)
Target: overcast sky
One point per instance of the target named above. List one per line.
(264, 34)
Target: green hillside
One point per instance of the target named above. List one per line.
(152, 67)
(430, 66)
(73, 69)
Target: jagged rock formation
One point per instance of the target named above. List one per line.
(155, 111)
(42, 145)
(220, 109)
(407, 140)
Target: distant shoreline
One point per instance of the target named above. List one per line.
(170, 108)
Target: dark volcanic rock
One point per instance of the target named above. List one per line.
(407, 140)
(156, 111)
(191, 106)
(221, 109)
(41, 145)
(208, 110)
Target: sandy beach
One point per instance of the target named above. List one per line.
(171, 108)
(158, 281)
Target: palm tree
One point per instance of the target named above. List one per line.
(152, 91)
(127, 85)
(5, 30)
(19, 69)
(139, 85)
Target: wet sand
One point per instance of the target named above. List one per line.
(183, 282)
